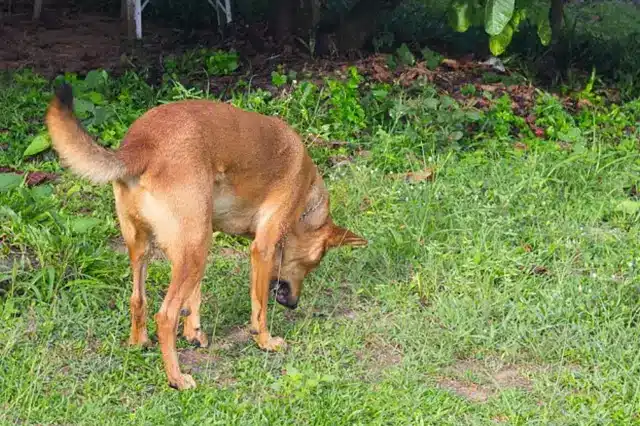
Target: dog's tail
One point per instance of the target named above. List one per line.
(76, 147)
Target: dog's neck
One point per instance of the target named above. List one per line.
(316, 209)
(313, 204)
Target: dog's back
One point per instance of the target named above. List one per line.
(197, 135)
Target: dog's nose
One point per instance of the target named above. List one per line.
(292, 302)
(283, 294)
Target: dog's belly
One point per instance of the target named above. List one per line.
(231, 215)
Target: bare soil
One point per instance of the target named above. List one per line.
(477, 381)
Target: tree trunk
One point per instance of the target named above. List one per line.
(556, 18)
(37, 10)
(281, 17)
(356, 28)
(294, 18)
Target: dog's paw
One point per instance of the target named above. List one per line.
(271, 344)
(184, 382)
(197, 338)
(140, 340)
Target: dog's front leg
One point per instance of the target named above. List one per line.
(262, 258)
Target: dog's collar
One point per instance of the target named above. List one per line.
(311, 209)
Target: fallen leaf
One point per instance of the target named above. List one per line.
(380, 72)
(482, 103)
(337, 144)
(450, 63)
(633, 191)
(419, 176)
(407, 77)
(364, 153)
(37, 178)
(583, 103)
(539, 270)
(340, 160)
(38, 144)
(365, 204)
(489, 87)
(10, 170)
(520, 146)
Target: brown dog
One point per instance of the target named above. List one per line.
(188, 167)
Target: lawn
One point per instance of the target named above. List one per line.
(499, 286)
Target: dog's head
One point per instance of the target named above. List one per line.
(304, 248)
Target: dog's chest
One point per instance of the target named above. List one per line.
(231, 214)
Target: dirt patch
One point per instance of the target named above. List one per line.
(197, 361)
(471, 391)
(66, 41)
(379, 355)
(25, 260)
(10, 257)
(236, 336)
(345, 313)
(322, 313)
(477, 381)
(210, 363)
(207, 366)
(118, 245)
(230, 253)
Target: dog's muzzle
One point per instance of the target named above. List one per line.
(282, 291)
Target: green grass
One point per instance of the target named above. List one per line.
(502, 290)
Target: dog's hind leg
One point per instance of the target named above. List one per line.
(188, 264)
(136, 237)
(182, 227)
(138, 248)
(192, 330)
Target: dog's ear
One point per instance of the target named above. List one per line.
(343, 237)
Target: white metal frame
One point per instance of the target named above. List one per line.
(137, 7)
(218, 6)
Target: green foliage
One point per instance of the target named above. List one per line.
(39, 143)
(346, 112)
(90, 97)
(498, 43)
(278, 79)
(222, 62)
(503, 121)
(558, 124)
(498, 13)
(196, 62)
(9, 181)
(461, 15)
(405, 56)
(431, 58)
(500, 19)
